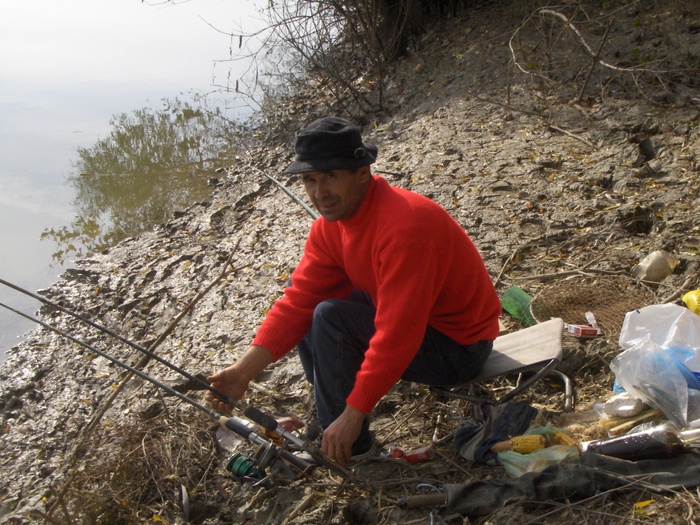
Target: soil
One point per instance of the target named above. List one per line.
(566, 175)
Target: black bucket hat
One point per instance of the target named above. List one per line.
(330, 143)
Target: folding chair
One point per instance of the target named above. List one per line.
(535, 349)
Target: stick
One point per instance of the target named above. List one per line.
(581, 271)
(303, 505)
(572, 135)
(691, 278)
(437, 499)
(505, 266)
(582, 40)
(506, 106)
(596, 58)
(288, 192)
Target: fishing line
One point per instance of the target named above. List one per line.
(116, 361)
(119, 337)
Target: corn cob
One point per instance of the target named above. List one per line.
(562, 438)
(521, 444)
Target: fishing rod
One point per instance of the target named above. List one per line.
(266, 421)
(234, 424)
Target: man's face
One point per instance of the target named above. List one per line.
(337, 194)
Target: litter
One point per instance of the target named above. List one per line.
(656, 266)
(583, 331)
(413, 456)
(692, 301)
(661, 355)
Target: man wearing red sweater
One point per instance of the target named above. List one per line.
(389, 287)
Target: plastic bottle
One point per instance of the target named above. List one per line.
(659, 442)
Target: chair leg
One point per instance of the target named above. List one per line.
(569, 396)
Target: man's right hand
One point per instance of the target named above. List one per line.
(227, 381)
(234, 380)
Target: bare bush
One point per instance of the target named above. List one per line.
(345, 45)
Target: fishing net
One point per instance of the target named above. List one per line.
(609, 298)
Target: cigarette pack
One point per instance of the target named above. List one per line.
(582, 330)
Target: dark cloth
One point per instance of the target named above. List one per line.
(575, 480)
(489, 425)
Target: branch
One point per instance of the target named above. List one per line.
(692, 277)
(583, 42)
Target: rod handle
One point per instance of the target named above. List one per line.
(266, 421)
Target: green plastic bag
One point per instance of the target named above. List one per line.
(516, 464)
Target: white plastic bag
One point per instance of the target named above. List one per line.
(668, 325)
(662, 343)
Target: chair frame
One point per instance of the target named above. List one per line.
(535, 349)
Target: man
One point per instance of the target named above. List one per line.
(389, 287)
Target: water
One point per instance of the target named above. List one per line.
(65, 69)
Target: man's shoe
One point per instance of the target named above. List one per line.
(313, 429)
(372, 451)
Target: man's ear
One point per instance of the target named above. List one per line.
(365, 173)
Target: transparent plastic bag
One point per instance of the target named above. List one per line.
(661, 360)
(516, 464)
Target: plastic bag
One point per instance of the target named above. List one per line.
(660, 360)
(516, 464)
(668, 325)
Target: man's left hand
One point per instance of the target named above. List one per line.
(341, 434)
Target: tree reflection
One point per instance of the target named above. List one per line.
(151, 164)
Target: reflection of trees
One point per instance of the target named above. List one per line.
(152, 163)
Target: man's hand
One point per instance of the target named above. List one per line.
(234, 380)
(341, 434)
(228, 381)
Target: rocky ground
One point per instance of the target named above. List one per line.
(500, 117)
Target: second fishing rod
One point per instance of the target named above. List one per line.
(266, 421)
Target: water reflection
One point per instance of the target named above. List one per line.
(153, 163)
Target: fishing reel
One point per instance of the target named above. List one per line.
(246, 469)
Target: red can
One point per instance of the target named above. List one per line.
(412, 456)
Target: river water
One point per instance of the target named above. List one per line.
(65, 69)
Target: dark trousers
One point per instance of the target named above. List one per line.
(334, 349)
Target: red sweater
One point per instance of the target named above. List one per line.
(418, 265)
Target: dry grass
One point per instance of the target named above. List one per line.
(141, 469)
(168, 469)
